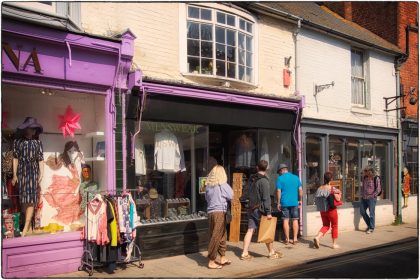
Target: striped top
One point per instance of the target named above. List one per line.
(321, 199)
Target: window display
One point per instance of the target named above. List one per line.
(313, 167)
(49, 148)
(169, 159)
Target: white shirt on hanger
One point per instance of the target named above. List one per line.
(140, 159)
(167, 153)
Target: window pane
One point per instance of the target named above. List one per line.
(241, 73)
(356, 64)
(351, 171)
(231, 40)
(231, 54)
(313, 170)
(241, 38)
(242, 57)
(193, 65)
(249, 75)
(335, 162)
(220, 68)
(230, 20)
(249, 27)
(231, 70)
(357, 89)
(220, 51)
(207, 66)
(221, 18)
(193, 30)
(380, 159)
(248, 59)
(206, 32)
(193, 12)
(205, 14)
(242, 24)
(249, 43)
(206, 49)
(220, 35)
(193, 47)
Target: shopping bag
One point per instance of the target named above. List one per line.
(267, 229)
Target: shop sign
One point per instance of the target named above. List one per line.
(32, 59)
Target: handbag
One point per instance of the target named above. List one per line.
(267, 229)
(228, 213)
(332, 202)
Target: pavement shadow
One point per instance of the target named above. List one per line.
(238, 251)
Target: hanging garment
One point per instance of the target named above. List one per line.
(97, 221)
(167, 154)
(140, 159)
(264, 150)
(245, 151)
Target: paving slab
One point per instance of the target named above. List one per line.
(195, 265)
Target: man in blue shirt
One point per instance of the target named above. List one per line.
(289, 197)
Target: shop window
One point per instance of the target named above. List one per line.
(381, 167)
(313, 167)
(275, 147)
(358, 79)
(59, 202)
(171, 165)
(220, 44)
(351, 171)
(335, 161)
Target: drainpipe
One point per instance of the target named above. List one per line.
(398, 63)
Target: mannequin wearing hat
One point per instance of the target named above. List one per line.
(28, 166)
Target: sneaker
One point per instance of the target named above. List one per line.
(369, 231)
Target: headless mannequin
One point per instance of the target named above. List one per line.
(27, 207)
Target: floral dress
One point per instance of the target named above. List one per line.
(29, 153)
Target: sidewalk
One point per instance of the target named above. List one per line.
(195, 265)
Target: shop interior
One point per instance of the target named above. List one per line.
(172, 161)
(73, 128)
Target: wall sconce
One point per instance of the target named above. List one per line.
(319, 88)
(47, 92)
(287, 61)
(412, 101)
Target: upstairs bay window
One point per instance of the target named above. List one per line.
(219, 44)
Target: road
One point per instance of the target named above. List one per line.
(392, 261)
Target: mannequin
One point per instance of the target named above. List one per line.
(28, 166)
(87, 185)
(406, 186)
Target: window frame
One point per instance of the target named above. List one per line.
(363, 78)
(239, 16)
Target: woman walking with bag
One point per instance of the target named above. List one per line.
(328, 212)
(218, 193)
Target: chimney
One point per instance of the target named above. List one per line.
(348, 11)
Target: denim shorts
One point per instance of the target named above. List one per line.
(254, 217)
(290, 212)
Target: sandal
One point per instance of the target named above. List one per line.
(275, 255)
(287, 241)
(226, 262)
(316, 243)
(294, 242)
(246, 257)
(215, 267)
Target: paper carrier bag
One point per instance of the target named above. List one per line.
(267, 229)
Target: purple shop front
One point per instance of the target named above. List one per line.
(39, 57)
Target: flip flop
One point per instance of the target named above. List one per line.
(285, 241)
(227, 262)
(216, 267)
(276, 255)
(294, 242)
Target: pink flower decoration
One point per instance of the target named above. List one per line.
(69, 122)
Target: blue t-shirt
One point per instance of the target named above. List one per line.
(288, 184)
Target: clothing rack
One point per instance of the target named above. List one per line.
(87, 262)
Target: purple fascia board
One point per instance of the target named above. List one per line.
(221, 96)
(39, 240)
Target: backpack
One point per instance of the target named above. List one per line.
(375, 179)
(246, 192)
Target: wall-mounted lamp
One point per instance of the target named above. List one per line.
(412, 100)
(287, 61)
(319, 88)
(47, 92)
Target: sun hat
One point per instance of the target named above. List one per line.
(31, 122)
(281, 166)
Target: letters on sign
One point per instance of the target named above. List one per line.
(32, 59)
